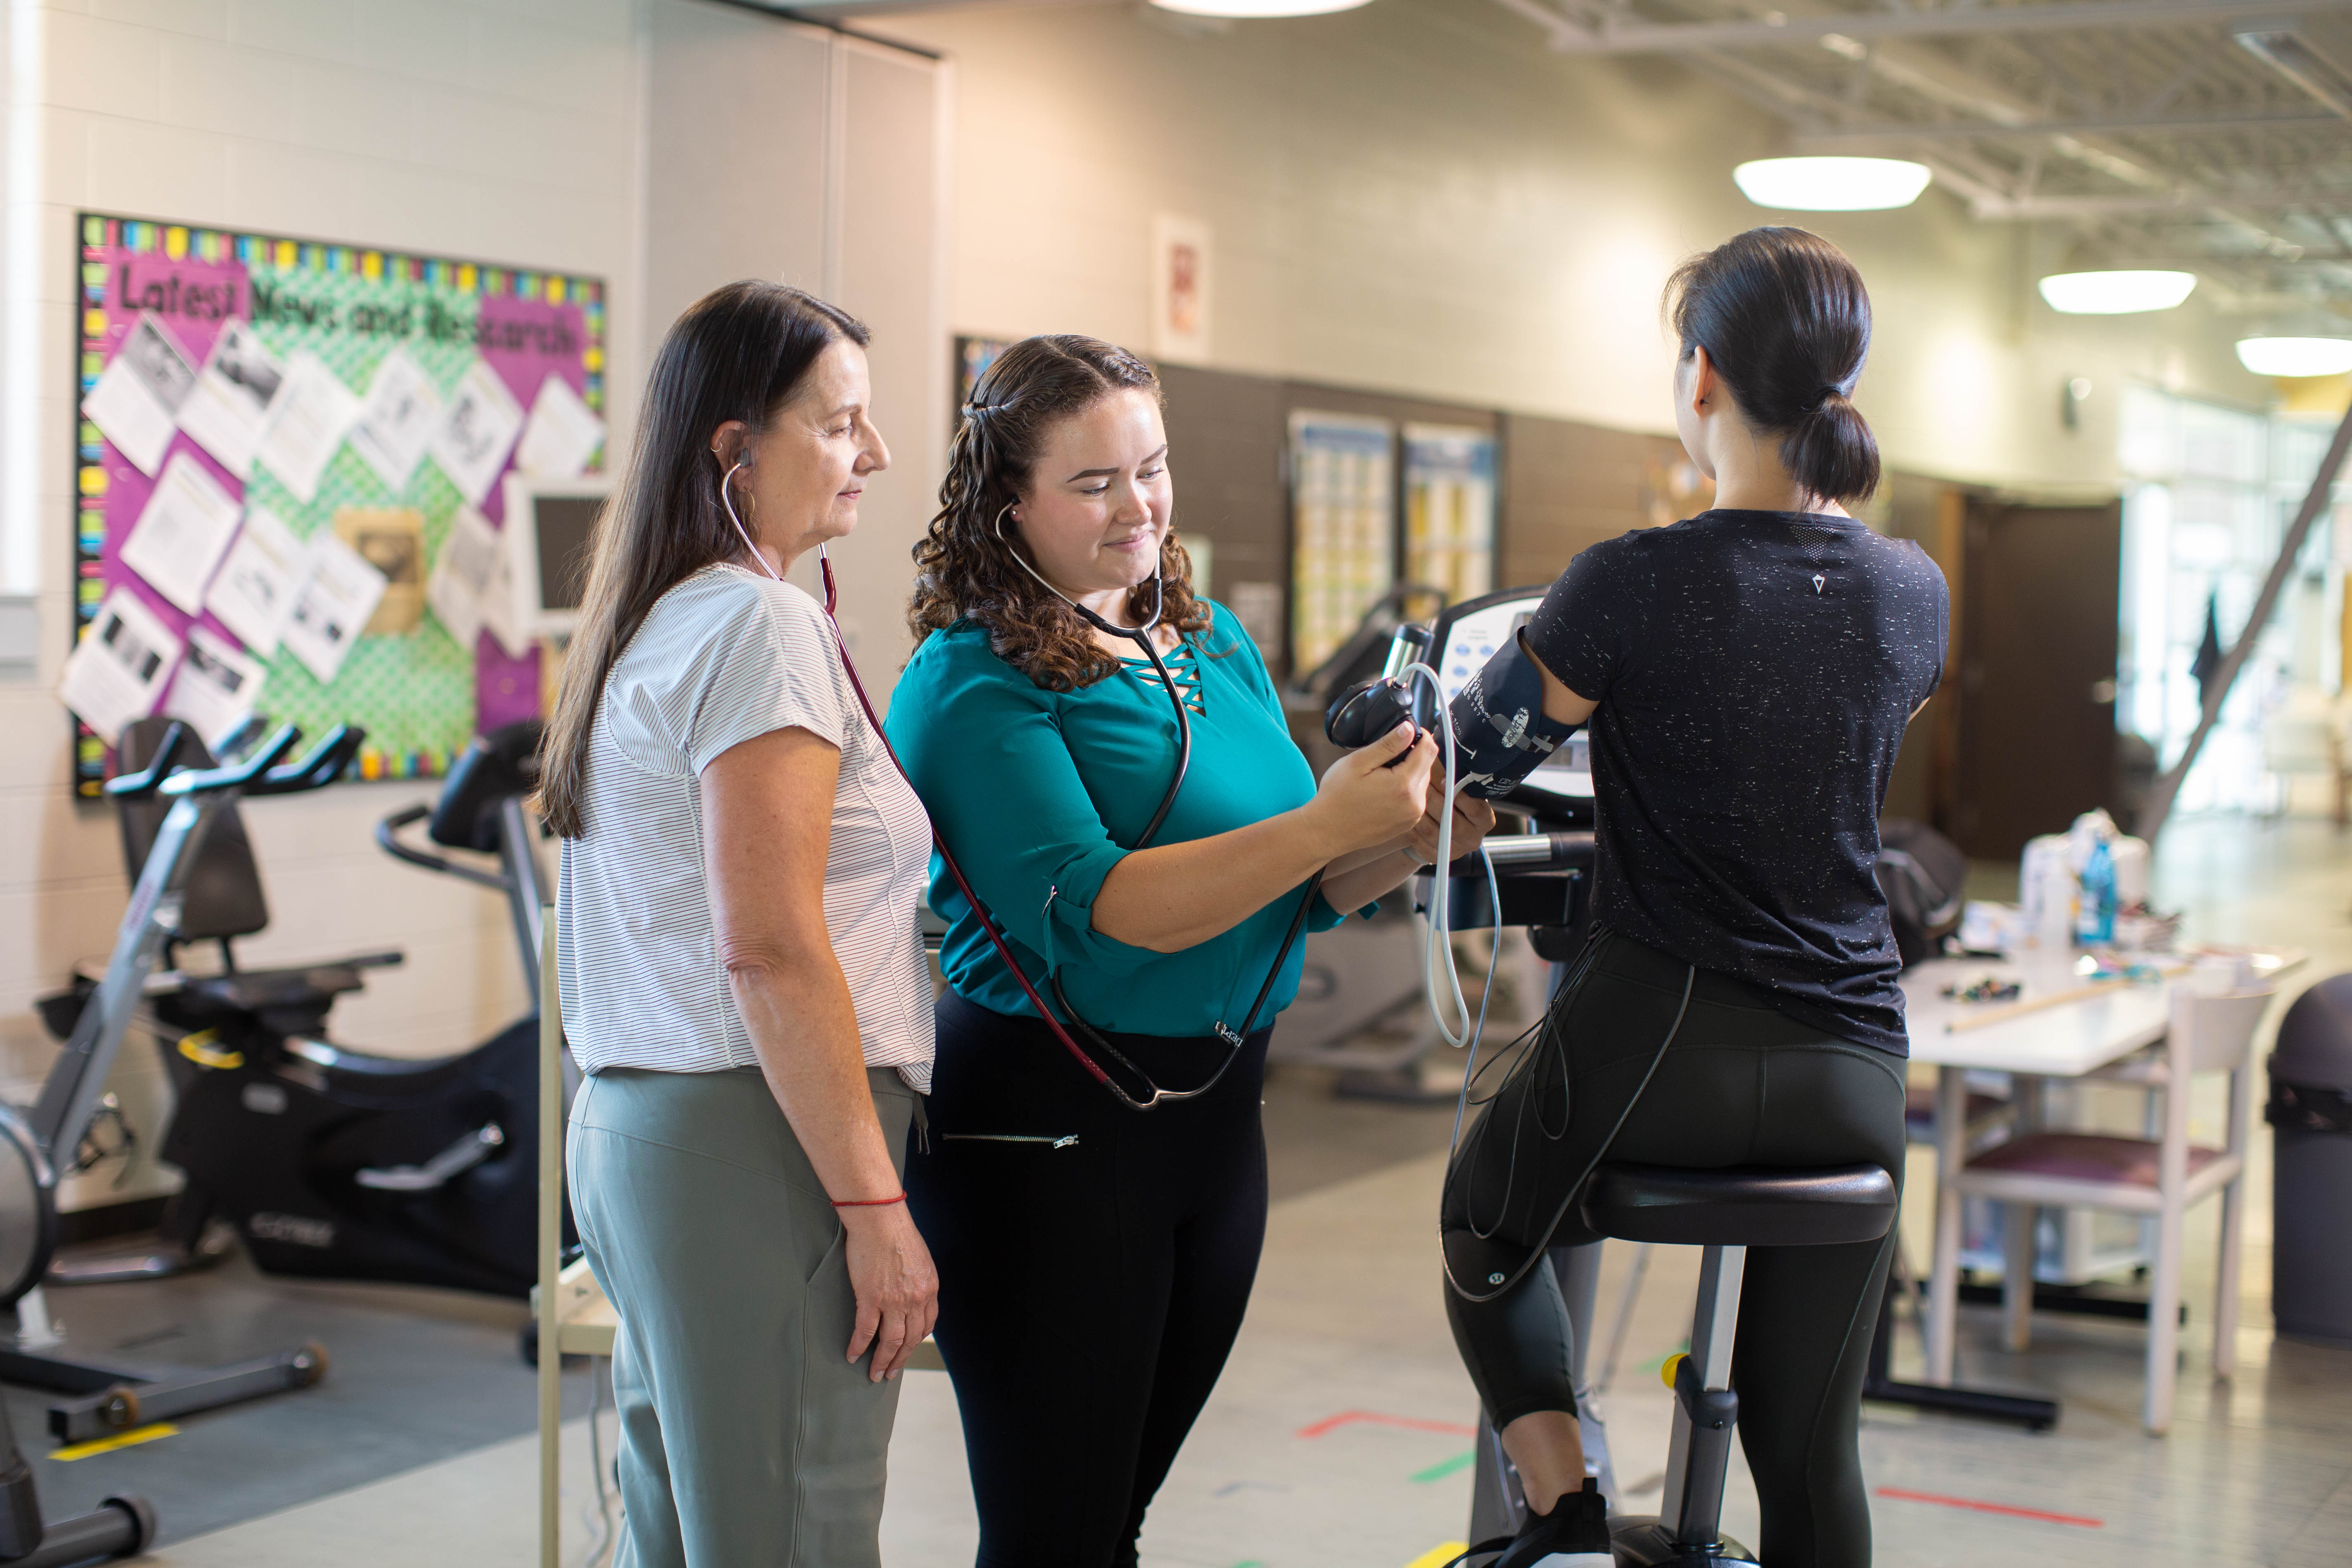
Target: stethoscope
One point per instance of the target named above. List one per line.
(1142, 636)
(1234, 1039)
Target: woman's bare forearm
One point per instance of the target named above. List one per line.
(803, 1027)
(1362, 858)
(1174, 896)
(1352, 890)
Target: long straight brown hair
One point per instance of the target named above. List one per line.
(739, 352)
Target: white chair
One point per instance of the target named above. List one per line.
(2159, 1176)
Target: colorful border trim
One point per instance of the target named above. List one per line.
(98, 234)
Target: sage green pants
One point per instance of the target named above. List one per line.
(747, 1438)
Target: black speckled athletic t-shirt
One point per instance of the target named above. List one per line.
(1754, 672)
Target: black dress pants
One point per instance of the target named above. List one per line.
(1742, 1084)
(1094, 1266)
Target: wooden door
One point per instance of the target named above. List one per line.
(2037, 676)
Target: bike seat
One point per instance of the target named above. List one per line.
(1740, 1205)
(290, 1000)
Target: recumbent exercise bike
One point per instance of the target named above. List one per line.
(330, 1161)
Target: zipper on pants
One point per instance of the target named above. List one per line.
(1062, 1143)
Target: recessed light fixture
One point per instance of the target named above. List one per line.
(1831, 184)
(2296, 356)
(2116, 293)
(1253, 10)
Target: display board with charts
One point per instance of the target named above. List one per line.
(1449, 509)
(1343, 527)
(294, 460)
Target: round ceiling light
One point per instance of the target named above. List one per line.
(1252, 10)
(2116, 293)
(1831, 184)
(2296, 356)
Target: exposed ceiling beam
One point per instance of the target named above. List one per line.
(2125, 124)
(2028, 208)
(2285, 50)
(1678, 38)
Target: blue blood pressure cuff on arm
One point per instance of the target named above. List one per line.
(1500, 733)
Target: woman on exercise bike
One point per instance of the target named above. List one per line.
(743, 974)
(1747, 674)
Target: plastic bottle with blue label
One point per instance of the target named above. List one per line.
(2094, 912)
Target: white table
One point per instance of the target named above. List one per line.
(2066, 1040)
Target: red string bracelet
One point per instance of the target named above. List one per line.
(867, 1202)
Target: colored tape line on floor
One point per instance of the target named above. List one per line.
(1978, 1505)
(136, 1435)
(1331, 1424)
(1444, 1468)
(1439, 1556)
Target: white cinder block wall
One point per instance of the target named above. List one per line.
(1415, 195)
(1419, 196)
(511, 130)
(498, 129)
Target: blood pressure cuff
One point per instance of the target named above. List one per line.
(1499, 728)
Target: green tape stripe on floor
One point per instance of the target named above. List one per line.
(1446, 1468)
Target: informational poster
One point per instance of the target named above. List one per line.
(973, 357)
(1180, 288)
(1343, 528)
(276, 438)
(1449, 509)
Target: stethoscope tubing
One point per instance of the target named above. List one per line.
(996, 938)
(1235, 1038)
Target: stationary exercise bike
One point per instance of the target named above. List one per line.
(1726, 1212)
(1541, 880)
(333, 1162)
(31, 1142)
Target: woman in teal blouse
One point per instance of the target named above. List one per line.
(1094, 1262)
(1017, 771)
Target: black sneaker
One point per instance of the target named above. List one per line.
(1574, 1534)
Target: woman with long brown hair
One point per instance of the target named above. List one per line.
(1104, 755)
(742, 970)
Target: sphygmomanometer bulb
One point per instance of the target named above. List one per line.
(1367, 711)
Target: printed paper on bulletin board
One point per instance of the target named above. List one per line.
(351, 312)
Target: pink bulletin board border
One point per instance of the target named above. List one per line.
(208, 281)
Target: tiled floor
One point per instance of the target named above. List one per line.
(1338, 1438)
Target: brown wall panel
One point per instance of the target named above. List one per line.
(1567, 486)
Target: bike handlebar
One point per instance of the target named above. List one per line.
(144, 783)
(323, 765)
(207, 780)
(387, 839)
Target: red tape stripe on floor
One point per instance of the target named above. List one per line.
(2000, 1508)
(1350, 1417)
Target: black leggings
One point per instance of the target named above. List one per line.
(1094, 1266)
(1742, 1084)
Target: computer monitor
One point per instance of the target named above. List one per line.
(549, 524)
(1466, 636)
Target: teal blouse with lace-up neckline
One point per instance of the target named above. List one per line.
(1039, 794)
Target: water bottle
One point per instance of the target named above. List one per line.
(2094, 914)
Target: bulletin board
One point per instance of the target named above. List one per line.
(290, 407)
(1449, 509)
(1343, 527)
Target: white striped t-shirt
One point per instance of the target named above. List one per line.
(724, 656)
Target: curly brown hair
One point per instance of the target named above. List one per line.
(964, 572)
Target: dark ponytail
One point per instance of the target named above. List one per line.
(1786, 320)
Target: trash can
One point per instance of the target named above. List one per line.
(2310, 1112)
